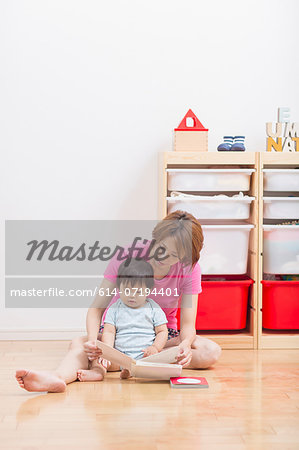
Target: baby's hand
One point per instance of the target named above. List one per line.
(151, 350)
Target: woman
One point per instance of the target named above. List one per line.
(176, 274)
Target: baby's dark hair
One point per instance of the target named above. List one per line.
(137, 272)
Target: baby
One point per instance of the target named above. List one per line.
(135, 324)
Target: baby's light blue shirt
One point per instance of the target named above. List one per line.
(135, 327)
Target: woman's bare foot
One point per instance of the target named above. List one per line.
(38, 381)
(94, 374)
(125, 374)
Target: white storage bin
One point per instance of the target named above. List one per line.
(219, 207)
(225, 249)
(209, 179)
(281, 249)
(281, 207)
(281, 179)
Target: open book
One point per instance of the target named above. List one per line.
(156, 366)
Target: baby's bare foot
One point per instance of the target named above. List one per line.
(38, 381)
(95, 374)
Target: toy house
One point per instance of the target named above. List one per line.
(191, 135)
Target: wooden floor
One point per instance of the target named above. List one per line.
(252, 403)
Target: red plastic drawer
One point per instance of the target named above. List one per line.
(222, 305)
(280, 305)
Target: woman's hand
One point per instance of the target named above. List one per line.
(151, 350)
(91, 350)
(185, 354)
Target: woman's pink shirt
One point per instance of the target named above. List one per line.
(179, 280)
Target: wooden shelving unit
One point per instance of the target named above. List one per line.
(248, 338)
(271, 339)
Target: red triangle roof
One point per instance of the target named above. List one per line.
(198, 126)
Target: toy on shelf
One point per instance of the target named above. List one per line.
(283, 140)
(191, 135)
(227, 144)
(238, 145)
(232, 144)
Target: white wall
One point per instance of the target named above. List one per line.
(91, 91)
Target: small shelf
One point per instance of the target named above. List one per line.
(215, 158)
(247, 163)
(274, 162)
(211, 169)
(279, 339)
(254, 336)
